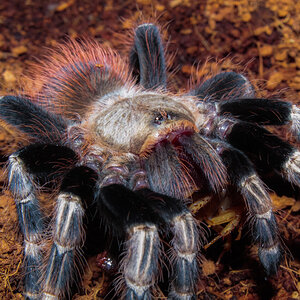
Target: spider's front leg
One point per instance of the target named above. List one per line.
(63, 265)
(130, 215)
(140, 214)
(26, 167)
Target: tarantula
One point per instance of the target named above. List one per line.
(110, 135)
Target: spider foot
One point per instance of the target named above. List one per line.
(291, 168)
(270, 258)
(295, 117)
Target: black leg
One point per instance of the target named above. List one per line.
(128, 214)
(266, 150)
(226, 85)
(64, 262)
(147, 57)
(261, 111)
(185, 243)
(32, 119)
(242, 175)
(27, 166)
(140, 215)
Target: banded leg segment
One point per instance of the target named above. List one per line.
(31, 223)
(68, 233)
(242, 174)
(185, 245)
(130, 215)
(185, 242)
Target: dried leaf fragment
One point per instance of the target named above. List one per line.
(296, 206)
(266, 50)
(282, 202)
(9, 76)
(64, 5)
(246, 17)
(145, 2)
(19, 50)
(274, 80)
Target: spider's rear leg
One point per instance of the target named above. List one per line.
(147, 57)
(242, 175)
(63, 267)
(33, 163)
(265, 149)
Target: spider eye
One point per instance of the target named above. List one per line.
(161, 117)
(158, 120)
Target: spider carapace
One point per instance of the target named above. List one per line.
(125, 144)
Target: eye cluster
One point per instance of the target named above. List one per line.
(162, 117)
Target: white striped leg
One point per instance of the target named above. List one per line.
(130, 215)
(264, 228)
(141, 262)
(185, 243)
(264, 223)
(185, 246)
(67, 240)
(295, 124)
(31, 223)
(68, 233)
(291, 168)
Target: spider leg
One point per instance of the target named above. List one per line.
(25, 166)
(130, 215)
(68, 233)
(147, 57)
(257, 110)
(262, 111)
(141, 213)
(267, 150)
(233, 95)
(242, 174)
(185, 242)
(223, 85)
(166, 162)
(32, 119)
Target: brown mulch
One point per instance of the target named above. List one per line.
(258, 38)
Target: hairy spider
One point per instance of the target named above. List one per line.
(137, 152)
